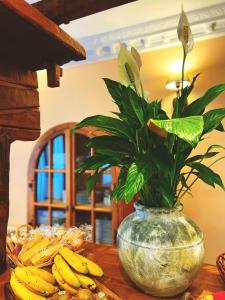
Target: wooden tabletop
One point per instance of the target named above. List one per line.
(116, 279)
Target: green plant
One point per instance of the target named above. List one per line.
(152, 150)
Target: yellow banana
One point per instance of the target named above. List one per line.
(93, 268)
(43, 274)
(37, 238)
(10, 244)
(26, 256)
(73, 260)
(34, 282)
(66, 272)
(21, 291)
(46, 254)
(61, 282)
(87, 282)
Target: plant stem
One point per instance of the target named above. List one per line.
(189, 174)
(193, 182)
(198, 177)
(216, 161)
(142, 91)
(184, 58)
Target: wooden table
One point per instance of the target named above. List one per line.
(118, 282)
(116, 279)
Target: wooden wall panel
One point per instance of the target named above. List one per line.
(17, 97)
(23, 77)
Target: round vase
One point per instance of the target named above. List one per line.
(161, 250)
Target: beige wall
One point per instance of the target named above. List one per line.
(82, 93)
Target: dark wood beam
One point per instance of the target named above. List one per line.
(64, 11)
(29, 40)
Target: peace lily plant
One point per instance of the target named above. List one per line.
(153, 151)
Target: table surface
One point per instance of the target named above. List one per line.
(117, 281)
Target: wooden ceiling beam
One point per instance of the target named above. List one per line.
(64, 11)
(29, 40)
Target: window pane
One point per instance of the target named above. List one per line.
(103, 223)
(41, 186)
(58, 187)
(103, 190)
(82, 196)
(83, 217)
(42, 216)
(81, 151)
(58, 216)
(58, 152)
(43, 160)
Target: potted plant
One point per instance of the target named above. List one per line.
(160, 248)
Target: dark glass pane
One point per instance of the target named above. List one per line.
(41, 216)
(82, 196)
(103, 190)
(58, 187)
(83, 217)
(41, 186)
(43, 161)
(103, 223)
(58, 152)
(58, 216)
(81, 151)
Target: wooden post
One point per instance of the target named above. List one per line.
(4, 196)
(19, 120)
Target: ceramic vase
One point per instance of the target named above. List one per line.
(161, 250)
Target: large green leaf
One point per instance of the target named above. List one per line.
(188, 129)
(201, 157)
(112, 145)
(207, 154)
(93, 179)
(164, 188)
(116, 90)
(155, 111)
(212, 119)
(182, 100)
(107, 124)
(138, 105)
(96, 162)
(206, 174)
(162, 158)
(220, 127)
(199, 105)
(131, 105)
(138, 174)
(118, 192)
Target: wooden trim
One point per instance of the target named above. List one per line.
(68, 177)
(65, 11)
(49, 171)
(70, 205)
(73, 178)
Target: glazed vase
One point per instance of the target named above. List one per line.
(161, 250)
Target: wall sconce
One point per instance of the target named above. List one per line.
(174, 81)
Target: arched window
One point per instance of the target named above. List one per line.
(57, 195)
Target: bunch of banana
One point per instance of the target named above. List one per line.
(80, 263)
(39, 252)
(34, 247)
(68, 279)
(70, 270)
(30, 283)
(45, 255)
